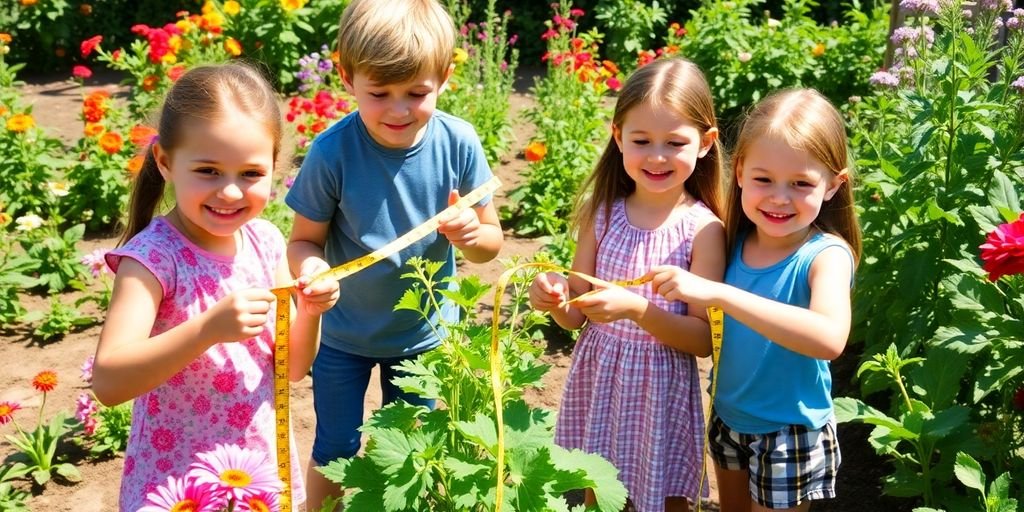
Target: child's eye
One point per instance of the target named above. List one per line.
(677, 144)
(418, 94)
(205, 170)
(762, 179)
(254, 173)
(804, 184)
(379, 95)
(640, 142)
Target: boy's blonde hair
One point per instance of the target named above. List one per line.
(394, 41)
(807, 121)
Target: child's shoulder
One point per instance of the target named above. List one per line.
(451, 124)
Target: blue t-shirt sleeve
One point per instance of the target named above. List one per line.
(476, 171)
(315, 193)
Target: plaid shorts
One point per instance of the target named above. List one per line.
(786, 467)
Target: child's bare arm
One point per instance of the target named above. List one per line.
(129, 362)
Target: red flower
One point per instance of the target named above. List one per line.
(90, 44)
(1018, 402)
(175, 73)
(7, 411)
(45, 381)
(1003, 251)
(81, 72)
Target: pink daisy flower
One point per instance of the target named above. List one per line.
(262, 502)
(180, 494)
(235, 472)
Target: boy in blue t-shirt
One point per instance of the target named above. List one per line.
(365, 181)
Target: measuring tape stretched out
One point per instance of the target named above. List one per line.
(283, 321)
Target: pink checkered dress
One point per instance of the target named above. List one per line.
(628, 397)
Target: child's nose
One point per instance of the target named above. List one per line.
(231, 191)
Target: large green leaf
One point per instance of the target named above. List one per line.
(969, 472)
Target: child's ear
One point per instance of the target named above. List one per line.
(841, 177)
(163, 161)
(346, 80)
(617, 136)
(737, 170)
(707, 141)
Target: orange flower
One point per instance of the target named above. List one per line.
(231, 8)
(85, 9)
(7, 411)
(94, 107)
(535, 151)
(111, 142)
(3, 110)
(291, 5)
(5, 38)
(20, 123)
(175, 73)
(141, 135)
(45, 381)
(150, 82)
(818, 50)
(134, 165)
(233, 47)
(28, 3)
(94, 129)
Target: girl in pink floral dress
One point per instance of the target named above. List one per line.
(189, 331)
(633, 393)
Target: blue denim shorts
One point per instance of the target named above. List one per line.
(340, 380)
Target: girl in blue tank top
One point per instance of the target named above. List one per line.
(793, 241)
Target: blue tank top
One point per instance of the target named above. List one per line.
(763, 386)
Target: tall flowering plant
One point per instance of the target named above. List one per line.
(39, 446)
(479, 89)
(941, 150)
(571, 118)
(321, 100)
(227, 478)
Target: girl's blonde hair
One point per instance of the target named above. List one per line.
(678, 86)
(394, 41)
(201, 94)
(807, 121)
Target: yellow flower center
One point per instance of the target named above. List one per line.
(235, 477)
(258, 505)
(185, 505)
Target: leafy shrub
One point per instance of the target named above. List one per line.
(941, 159)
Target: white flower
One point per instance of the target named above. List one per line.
(744, 57)
(59, 188)
(29, 222)
(772, 22)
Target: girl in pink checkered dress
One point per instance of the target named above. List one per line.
(633, 393)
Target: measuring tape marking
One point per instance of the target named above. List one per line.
(282, 322)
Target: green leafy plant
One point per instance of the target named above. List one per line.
(15, 275)
(445, 459)
(60, 320)
(56, 253)
(747, 54)
(941, 157)
(40, 445)
(970, 474)
(629, 27)
(11, 498)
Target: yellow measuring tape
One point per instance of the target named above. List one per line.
(283, 321)
(716, 319)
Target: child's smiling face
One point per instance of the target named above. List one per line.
(783, 188)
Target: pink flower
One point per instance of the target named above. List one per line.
(259, 503)
(234, 472)
(1003, 251)
(7, 411)
(180, 494)
(85, 411)
(87, 368)
(90, 44)
(81, 72)
(97, 263)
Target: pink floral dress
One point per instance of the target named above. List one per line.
(226, 394)
(629, 398)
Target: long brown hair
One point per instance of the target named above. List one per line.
(202, 94)
(807, 121)
(676, 85)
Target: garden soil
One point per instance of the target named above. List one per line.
(56, 105)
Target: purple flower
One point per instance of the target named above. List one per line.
(87, 368)
(920, 6)
(234, 472)
(97, 262)
(884, 79)
(289, 181)
(1018, 84)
